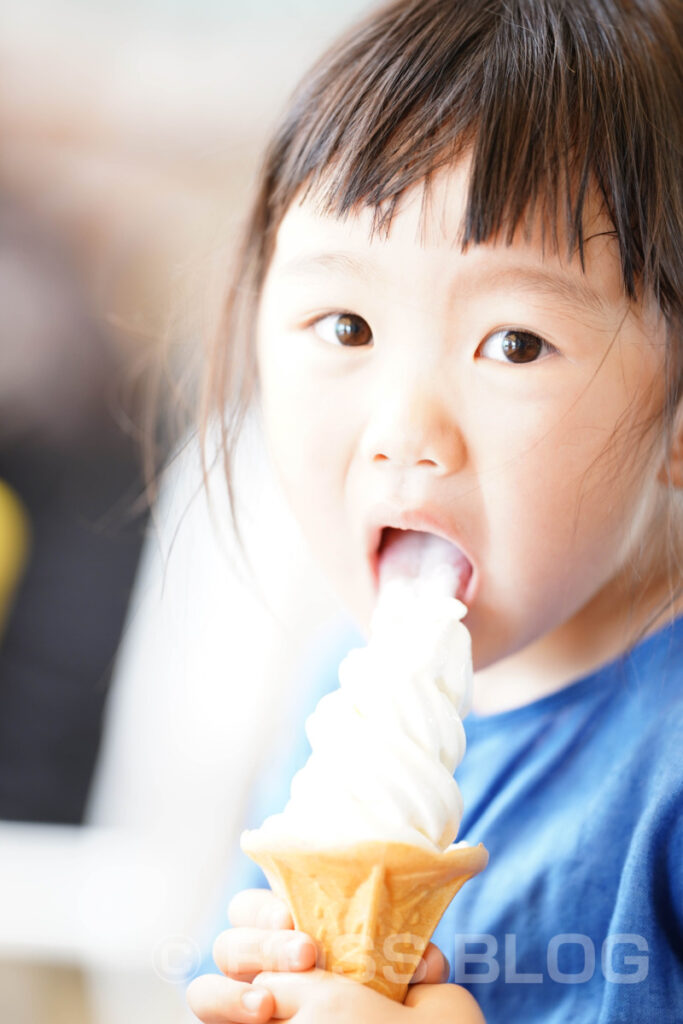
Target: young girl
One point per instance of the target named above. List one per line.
(458, 309)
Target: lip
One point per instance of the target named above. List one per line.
(421, 519)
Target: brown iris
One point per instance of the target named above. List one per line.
(522, 346)
(352, 330)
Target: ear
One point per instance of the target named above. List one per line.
(673, 469)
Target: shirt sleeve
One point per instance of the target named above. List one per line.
(642, 958)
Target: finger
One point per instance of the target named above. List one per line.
(259, 908)
(243, 952)
(217, 1000)
(318, 990)
(444, 1002)
(433, 968)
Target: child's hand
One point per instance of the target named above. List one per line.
(261, 944)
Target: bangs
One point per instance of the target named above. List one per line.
(556, 103)
(561, 106)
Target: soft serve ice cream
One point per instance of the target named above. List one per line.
(363, 852)
(385, 744)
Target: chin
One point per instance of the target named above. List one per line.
(492, 639)
(361, 612)
(355, 599)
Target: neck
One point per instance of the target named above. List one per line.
(596, 635)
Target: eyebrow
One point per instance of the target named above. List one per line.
(336, 261)
(574, 290)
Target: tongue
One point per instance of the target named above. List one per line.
(424, 557)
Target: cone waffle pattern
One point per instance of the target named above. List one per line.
(371, 907)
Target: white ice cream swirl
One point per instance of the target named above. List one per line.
(386, 743)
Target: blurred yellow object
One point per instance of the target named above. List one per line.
(14, 542)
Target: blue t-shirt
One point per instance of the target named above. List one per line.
(578, 798)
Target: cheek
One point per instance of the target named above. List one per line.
(310, 428)
(299, 426)
(307, 431)
(562, 487)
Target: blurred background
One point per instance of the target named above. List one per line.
(128, 738)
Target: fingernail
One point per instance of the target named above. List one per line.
(298, 951)
(420, 972)
(252, 1000)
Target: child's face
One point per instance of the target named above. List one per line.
(480, 394)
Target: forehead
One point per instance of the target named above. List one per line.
(426, 215)
(425, 233)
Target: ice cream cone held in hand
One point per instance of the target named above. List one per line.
(372, 907)
(364, 851)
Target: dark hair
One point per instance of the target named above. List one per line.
(555, 100)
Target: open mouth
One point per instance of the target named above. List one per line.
(417, 554)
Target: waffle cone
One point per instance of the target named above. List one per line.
(372, 907)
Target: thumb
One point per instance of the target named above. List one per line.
(433, 967)
(452, 1001)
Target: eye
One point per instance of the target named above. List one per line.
(345, 329)
(516, 346)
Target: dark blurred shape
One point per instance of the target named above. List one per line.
(77, 473)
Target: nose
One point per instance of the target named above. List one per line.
(413, 425)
